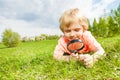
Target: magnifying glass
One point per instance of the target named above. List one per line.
(74, 46)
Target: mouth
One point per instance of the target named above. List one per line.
(73, 38)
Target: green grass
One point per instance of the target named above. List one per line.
(34, 61)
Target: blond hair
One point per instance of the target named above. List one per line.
(73, 16)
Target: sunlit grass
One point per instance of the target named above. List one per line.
(34, 61)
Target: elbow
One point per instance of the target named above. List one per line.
(54, 56)
(102, 51)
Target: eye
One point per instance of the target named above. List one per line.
(77, 29)
(67, 31)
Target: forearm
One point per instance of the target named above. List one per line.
(98, 54)
(60, 56)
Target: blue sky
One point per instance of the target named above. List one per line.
(35, 17)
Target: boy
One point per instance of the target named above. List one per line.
(74, 26)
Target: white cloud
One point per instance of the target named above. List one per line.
(32, 17)
(25, 28)
(99, 9)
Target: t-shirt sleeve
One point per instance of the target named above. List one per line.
(60, 48)
(91, 41)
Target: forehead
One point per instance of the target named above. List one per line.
(73, 26)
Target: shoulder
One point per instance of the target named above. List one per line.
(61, 40)
(87, 34)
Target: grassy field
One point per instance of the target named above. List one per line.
(34, 61)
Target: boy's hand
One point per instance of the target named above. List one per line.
(75, 55)
(87, 60)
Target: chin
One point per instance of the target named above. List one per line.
(73, 39)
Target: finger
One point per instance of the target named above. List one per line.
(81, 56)
(74, 55)
(86, 56)
(77, 55)
(89, 66)
(88, 63)
(88, 59)
(81, 59)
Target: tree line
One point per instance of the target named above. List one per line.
(108, 25)
(12, 39)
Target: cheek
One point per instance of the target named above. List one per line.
(66, 34)
(80, 32)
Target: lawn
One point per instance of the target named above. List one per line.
(34, 61)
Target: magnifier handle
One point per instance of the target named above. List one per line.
(76, 54)
(75, 51)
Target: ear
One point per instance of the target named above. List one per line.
(84, 28)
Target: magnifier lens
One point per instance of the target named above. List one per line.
(75, 45)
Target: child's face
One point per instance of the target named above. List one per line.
(74, 31)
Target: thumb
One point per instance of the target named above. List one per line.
(81, 57)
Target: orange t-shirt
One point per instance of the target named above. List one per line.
(90, 44)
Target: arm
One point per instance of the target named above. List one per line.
(89, 60)
(60, 49)
(95, 47)
(98, 54)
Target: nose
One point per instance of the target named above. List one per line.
(72, 35)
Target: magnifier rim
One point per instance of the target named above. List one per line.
(75, 40)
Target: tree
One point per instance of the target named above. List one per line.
(117, 19)
(94, 29)
(103, 29)
(10, 38)
(111, 26)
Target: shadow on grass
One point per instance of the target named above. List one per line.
(3, 47)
